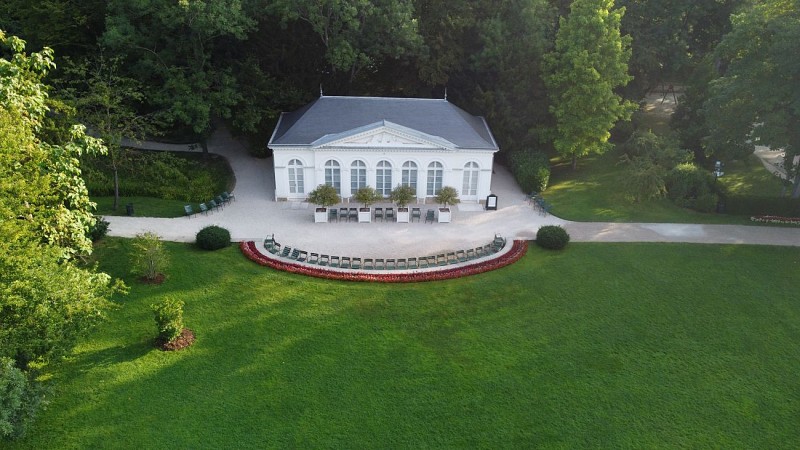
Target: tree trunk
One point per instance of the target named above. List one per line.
(796, 188)
(204, 145)
(574, 161)
(116, 188)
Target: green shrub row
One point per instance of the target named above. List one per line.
(749, 205)
(157, 174)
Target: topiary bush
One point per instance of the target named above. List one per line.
(552, 237)
(169, 319)
(213, 237)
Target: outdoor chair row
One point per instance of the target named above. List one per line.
(215, 203)
(381, 213)
(347, 262)
(539, 204)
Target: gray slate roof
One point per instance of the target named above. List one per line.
(335, 115)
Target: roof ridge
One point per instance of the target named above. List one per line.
(356, 97)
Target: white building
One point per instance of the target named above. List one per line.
(351, 142)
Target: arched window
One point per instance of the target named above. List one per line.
(410, 174)
(333, 175)
(470, 186)
(296, 185)
(383, 178)
(358, 175)
(435, 174)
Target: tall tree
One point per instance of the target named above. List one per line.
(175, 50)
(756, 101)
(108, 103)
(46, 299)
(589, 62)
(357, 34)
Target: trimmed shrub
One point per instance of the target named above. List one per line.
(552, 237)
(169, 319)
(531, 169)
(213, 237)
(762, 206)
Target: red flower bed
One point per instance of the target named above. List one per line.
(776, 219)
(516, 252)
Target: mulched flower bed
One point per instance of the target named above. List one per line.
(516, 252)
(185, 339)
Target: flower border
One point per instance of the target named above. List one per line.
(776, 219)
(517, 251)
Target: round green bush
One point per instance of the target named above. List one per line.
(552, 237)
(213, 237)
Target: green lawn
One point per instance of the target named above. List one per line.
(601, 345)
(593, 193)
(142, 206)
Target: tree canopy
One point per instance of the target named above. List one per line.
(756, 101)
(588, 64)
(46, 299)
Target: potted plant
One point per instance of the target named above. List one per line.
(323, 196)
(366, 195)
(446, 196)
(402, 195)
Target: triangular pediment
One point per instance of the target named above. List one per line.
(383, 134)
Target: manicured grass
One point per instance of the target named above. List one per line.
(593, 193)
(749, 177)
(601, 345)
(142, 206)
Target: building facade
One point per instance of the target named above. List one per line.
(352, 142)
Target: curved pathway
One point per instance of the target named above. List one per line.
(255, 214)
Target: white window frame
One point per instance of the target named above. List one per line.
(333, 175)
(358, 175)
(435, 177)
(383, 178)
(471, 174)
(410, 174)
(296, 179)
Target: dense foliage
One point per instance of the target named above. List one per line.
(691, 187)
(47, 300)
(157, 174)
(531, 169)
(213, 237)
(324, 195)
(149, 259)
(552, 237)
(169, 319)
(547, 74)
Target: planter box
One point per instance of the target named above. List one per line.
(402, 215)
(320, 215)
(365, 214)
(444, 215)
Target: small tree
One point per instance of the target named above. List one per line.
(448, 195)
(366, 195)
(324, 196)
(169, 319)
(150, 258)
(402, 195)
